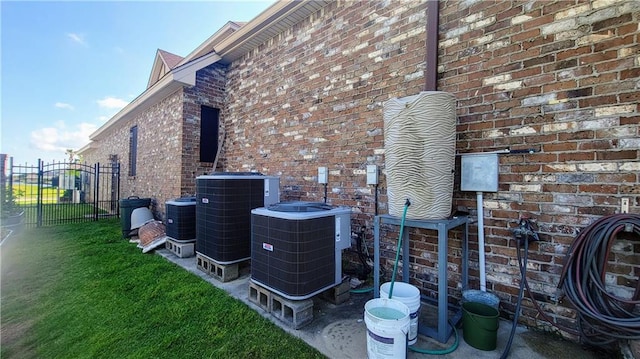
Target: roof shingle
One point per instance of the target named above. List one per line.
(170, 59)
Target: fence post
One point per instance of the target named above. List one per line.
(96, 192)
(39, 195)
(118, 191)
(10, 177)
(3, 179)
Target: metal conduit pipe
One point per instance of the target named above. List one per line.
(431, 53)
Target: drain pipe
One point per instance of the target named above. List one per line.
(431, 56)
(481, 261)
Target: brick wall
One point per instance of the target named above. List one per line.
(558, 77)
(168, 142)
(209, 91)
(312, 96)
(159, 147)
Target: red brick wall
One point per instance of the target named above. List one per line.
(560, 78)
(209, 91)
(168, 142)
(557, 77)
(159, 147)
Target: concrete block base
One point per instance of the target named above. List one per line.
(260, 296)
(223, 273)
(294, 313)
(338, 294)
(182, 250)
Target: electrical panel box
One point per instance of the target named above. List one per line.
(322, 175)
(479, 172)
(372, 174)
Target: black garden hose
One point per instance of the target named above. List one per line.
(603, 318)
(523, 233)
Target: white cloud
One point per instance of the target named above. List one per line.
(64, 106)
(59, 138)
(77, 38)
(112, 103)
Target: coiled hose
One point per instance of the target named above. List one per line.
(603, 318)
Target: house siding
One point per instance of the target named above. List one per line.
(558, 77)
(552, 77)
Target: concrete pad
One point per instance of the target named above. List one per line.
(339, 331)
(346, 338)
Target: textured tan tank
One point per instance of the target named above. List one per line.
(419, 148)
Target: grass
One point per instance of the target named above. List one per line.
(80, 291)
(27, 194)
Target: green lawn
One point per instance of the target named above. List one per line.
(27, 194)
(81, 291)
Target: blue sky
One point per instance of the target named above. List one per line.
(67, 67)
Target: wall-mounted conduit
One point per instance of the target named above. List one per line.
(431, 55)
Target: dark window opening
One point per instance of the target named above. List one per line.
(209, 122)
(133, 150)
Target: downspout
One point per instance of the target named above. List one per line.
(431, 84)
(431, 56)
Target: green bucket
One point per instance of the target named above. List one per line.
(480, 325)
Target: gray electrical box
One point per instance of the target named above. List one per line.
(322, 175)
(372, 174)
(479, 172)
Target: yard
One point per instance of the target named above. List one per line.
(27, 194)
(80, 290)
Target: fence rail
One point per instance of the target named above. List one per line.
(62, 192)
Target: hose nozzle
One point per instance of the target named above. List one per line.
(407, 203)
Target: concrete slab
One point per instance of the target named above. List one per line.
(339, 331)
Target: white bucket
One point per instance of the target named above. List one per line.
(410, 296)
(387, 323)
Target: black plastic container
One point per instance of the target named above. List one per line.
(126, 208)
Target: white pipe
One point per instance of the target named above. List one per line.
(483, 276)
(506, 150)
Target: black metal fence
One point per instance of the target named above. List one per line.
(63, 192)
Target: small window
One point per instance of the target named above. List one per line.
(133, 150)
(209, 122)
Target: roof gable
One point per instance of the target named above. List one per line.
(163, 63)
(208, 46)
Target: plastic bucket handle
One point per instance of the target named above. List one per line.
(474, 316)
(480, 323)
